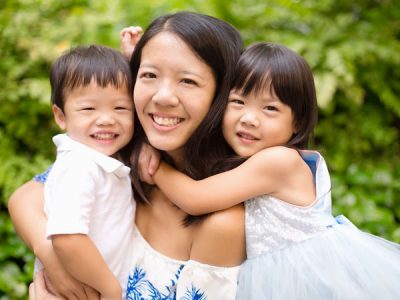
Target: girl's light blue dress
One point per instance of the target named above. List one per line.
(305, 253)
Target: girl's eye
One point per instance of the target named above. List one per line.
(87, 108)
(236, 101)
(189, 81)
(121, 108)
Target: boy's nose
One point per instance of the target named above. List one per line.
(105, 119)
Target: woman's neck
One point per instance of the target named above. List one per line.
(177, 157)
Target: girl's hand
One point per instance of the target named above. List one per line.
(149, 160)
(129, 37)
(62, 286)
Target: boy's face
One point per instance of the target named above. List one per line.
(100, 118)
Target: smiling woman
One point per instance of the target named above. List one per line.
(182, 69)
(172, 96)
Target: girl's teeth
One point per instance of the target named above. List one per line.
(166, 121)
(245, 136)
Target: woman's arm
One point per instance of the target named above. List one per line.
(26, 210)
(263, 173)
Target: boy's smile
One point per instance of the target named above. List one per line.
(100, 118)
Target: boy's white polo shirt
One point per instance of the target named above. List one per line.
(90, 193)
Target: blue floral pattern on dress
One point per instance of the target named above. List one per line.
(43, 176)
(194, 294)
(140, 288)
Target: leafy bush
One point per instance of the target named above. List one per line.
(352, 47)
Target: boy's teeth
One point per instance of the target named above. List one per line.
(104, 136)
(166, 121)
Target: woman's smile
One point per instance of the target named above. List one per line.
(172, 96)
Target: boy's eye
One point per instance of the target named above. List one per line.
(121, 108)
(87, 108)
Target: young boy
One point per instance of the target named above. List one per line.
(88, 195)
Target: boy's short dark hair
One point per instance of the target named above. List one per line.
(79, 66)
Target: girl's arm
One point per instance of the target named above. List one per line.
(129, 37)
(82, 260)
(271, 171)
(26, 210)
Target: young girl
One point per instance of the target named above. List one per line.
(295, 248)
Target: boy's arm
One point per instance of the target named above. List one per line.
(26, 211)
(81, 258)
(263, 173)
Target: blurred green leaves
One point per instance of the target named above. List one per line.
(352, 47)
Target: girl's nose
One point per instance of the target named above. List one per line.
(249, 119)
(165, 95)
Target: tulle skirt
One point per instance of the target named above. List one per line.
(341, 263)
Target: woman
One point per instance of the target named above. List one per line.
(183, 65)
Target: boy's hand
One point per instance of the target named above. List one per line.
(39, 290)
(59, 282)
(129, 37)
(149, 160)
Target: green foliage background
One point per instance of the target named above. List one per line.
(352, 46)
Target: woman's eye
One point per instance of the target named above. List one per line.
(148, 75)
(189, 81)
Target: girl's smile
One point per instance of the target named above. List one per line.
(256, 121)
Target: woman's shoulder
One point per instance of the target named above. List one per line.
(220, 238)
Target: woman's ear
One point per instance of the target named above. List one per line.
(59, 117)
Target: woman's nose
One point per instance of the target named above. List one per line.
(165, 95)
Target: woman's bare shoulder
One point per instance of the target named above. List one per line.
(220, 239)
(30, 189)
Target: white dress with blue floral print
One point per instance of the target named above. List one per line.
(156, 276)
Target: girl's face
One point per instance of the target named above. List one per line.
(257, 121)
(100, 118)
(173, 92)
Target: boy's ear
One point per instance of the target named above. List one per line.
(59, 117)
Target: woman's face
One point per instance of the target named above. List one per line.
(173, 92)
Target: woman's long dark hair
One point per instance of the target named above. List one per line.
(219, 45)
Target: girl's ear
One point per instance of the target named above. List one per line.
(59, 117)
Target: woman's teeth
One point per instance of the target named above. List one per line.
(166, 121)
